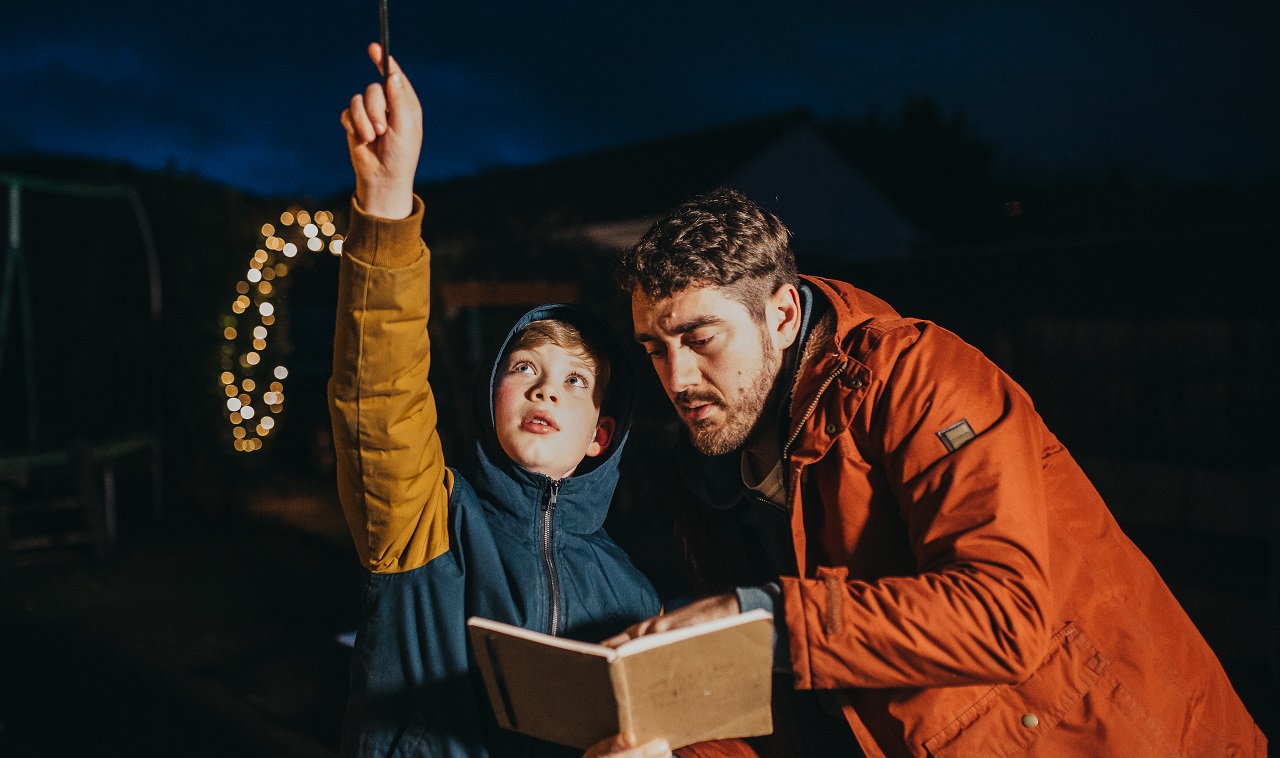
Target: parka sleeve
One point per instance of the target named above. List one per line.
(392, 479)
(976, 609)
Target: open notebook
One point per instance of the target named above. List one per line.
(702, 682)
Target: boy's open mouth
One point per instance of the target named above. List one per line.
(539, 423)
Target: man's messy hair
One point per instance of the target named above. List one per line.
(571, 338)
(721, 239)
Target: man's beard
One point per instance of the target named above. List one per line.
(741, 416)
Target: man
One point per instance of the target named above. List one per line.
(944, 578)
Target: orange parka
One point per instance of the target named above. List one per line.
(962, 589)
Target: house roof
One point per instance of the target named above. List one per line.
(634, 181)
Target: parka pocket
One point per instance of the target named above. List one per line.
(1010, 718)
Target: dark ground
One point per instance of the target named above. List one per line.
(216, 637)
(201, 637)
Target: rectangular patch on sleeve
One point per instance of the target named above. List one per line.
(957, 435)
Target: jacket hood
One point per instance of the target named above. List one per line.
(583, 499)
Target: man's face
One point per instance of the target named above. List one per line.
(717, 364)
(547, 410)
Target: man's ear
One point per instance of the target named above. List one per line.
(604, 432)
(782, 316)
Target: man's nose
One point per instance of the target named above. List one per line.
(682, 371)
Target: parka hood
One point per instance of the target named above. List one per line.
(583, 499)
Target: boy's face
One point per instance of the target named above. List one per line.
(547, 410)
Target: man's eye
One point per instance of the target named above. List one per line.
(654, 353)
(698, 343)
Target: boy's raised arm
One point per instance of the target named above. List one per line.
(392, 478)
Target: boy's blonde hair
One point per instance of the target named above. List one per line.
(569, 337)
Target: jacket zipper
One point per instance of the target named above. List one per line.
(549, 559)
(786, 449)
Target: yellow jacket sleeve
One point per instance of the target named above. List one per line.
(392, 478)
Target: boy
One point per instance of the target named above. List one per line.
(519, 539)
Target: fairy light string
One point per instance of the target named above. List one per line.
(253, 372)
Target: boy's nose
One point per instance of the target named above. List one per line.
(544, 391)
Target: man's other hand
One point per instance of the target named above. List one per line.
(706, 609)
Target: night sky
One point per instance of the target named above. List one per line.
(248, 93)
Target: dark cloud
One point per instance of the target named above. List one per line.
(249, 93)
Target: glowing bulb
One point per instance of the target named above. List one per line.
(229, 378)
(280, 372)
(264, 288)
(243, 300)
(238, 432)
(251, 359)
(259, 332)
(249, 385)
(244, 398)
(233, 404)
(335, 247)
(247, 411)
(311, 230)
(315, 245)
(266, 309)
(231, 390)
(277, 387)
(267, 422)
(328, 229)
(268, 320)
(304, 217)
(254, 275)
(259, 344)
(268, 273)
(261, 430)
(290, 250)
(229, 333)
(286, 218)
(268, 230)
(270, 398)
(242, 288)
(277, 408)
(260, 256)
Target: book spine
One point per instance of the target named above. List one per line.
(622, 694)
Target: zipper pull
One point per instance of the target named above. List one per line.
(552, 496)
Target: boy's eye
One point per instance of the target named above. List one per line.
(577, 380)
(523, 367)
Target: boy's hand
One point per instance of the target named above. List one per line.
(384, 134)
(624, 746)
